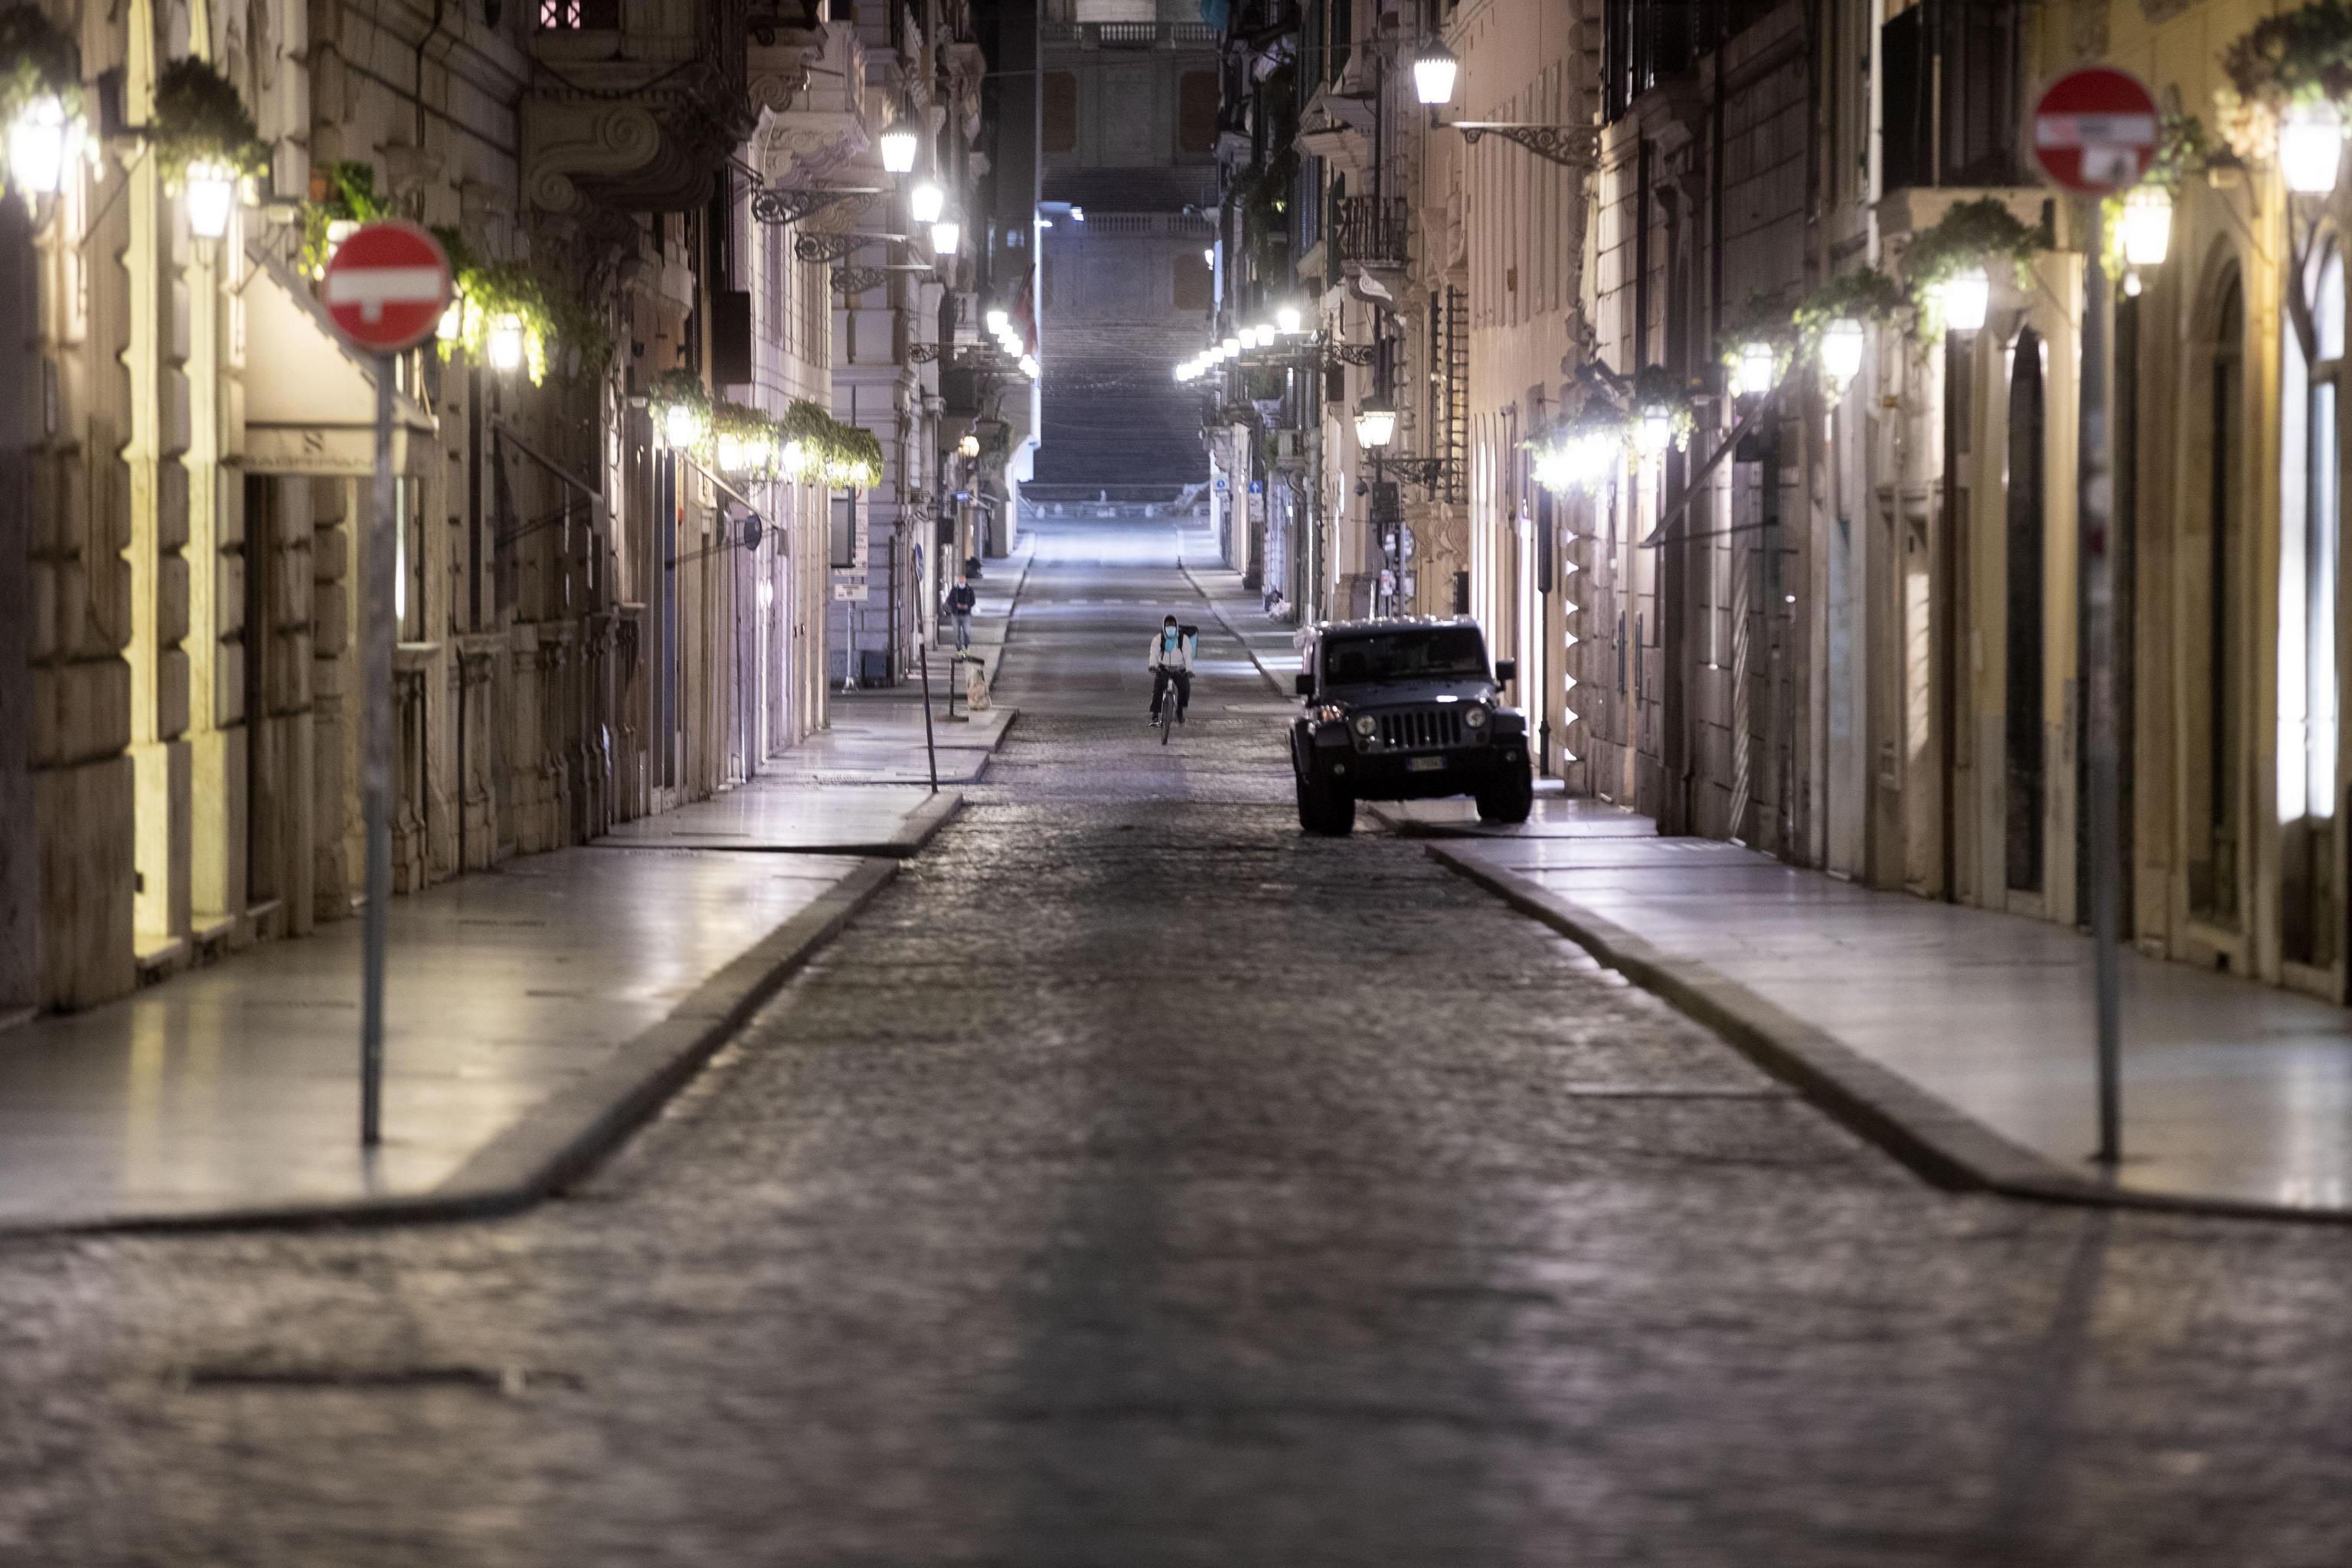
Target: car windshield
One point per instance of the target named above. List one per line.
(1430, 653)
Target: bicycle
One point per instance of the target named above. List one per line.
(1168, 698)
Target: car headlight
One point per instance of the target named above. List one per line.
(1366, 725)
(1331, 713)
(1473, 717)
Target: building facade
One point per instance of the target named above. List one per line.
(1840, 615)
(591, 626)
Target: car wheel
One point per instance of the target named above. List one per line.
(1324, 810)
(1508, 799)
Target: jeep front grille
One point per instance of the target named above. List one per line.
(1421, 728)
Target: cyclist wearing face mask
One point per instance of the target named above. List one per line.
(1171, 662)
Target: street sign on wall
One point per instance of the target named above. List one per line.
(2095, 130)
(386, 285)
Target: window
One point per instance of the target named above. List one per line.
(1059, 112)
(579, 16)
(2309, 549)
(2212, 741)
(2023, 775)
(1950, 88)
(1196, 112)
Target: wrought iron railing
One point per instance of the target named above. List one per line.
(1368, 229)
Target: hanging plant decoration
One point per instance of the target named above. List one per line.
(1866, 294)
(200, 120)
(502, 297)
(2297, 57)
(2184, 149)
(40, 75)
(1970, 235)
(1758, 320)
(1658, 391)
(841, 455)
(340, 194)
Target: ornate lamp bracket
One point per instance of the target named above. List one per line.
(922, 353)
(1426, 472)
(790, 206)
(835, 246)
(1571, 146)
(1349, 354)
(857, 280)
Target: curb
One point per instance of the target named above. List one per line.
(1935, 1142)
(1232, 631)
(561, 1139)
(922, 826)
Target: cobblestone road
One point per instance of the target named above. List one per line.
(1139, 1183)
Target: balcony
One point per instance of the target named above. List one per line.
(638, 104)
(1369, 231)
(817, 121)
(1131, 34)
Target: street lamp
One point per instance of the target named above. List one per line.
(1966, 296)
(1231, 346)
(926, 202)
(1653, 432)
(1842, 341)
(898, 149)
(506, 342)
(1375, 423)
(2310, 147)
(2147, 225)
(1286, 318)
(38, 141)
(999, 322)
(1029, 366)
(682, 425)
(452, 325)
(969, 446)
(1433, 70)
(1759, 362)
(946, 235)
(212, 193)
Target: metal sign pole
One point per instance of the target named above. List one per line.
(2096, 495)
(930, 747)
(375, 680)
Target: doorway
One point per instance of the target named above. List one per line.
(2025, 785)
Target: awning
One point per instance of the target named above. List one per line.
(309, 398)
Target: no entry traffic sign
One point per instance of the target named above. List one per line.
(2095, 130)
(386, 285)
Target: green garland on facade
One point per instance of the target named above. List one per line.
(841, 454)
(2303, 55)
(199, 119)
(350, 197)
(1970, 233)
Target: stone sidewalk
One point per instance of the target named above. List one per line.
(537, 1012)
(1963, 1038)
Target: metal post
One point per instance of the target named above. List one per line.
(2099, 562)
(378, 557)
(930, 747)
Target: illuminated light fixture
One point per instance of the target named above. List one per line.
(2311, 147)
(926, 202)
(1551, 468)
(1965, 296)
(1077, 215)
(1375, 424)
(1285, 318)
(1653, 432)
(682, 425)
(506, 342)
(1185, 370)
(731, 453)
(1590, 458)
(212, 194)
(1759, 365)
(1209, 255)
(38, 139)
(2131, 285)
(453, 321)
(1233, 346)
(999, 322)
(946, 235)
(1045, 223)
(1842, 341)
(1029, 366)
(969, 446)
(793, 458)
(898, 149)
(1433, 70)
(2147, 225)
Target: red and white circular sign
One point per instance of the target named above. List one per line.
(386, 285)
(2095, 130)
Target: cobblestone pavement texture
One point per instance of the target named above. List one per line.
(1141, 1183)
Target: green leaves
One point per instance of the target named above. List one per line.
(199, 119)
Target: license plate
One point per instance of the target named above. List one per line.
(1423, 764)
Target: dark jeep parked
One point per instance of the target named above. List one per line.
(1405, 709)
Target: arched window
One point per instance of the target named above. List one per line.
(2312, 492)
(2210, 738)
(2024, 781)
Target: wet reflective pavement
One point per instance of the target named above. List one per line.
(1140, 1182)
